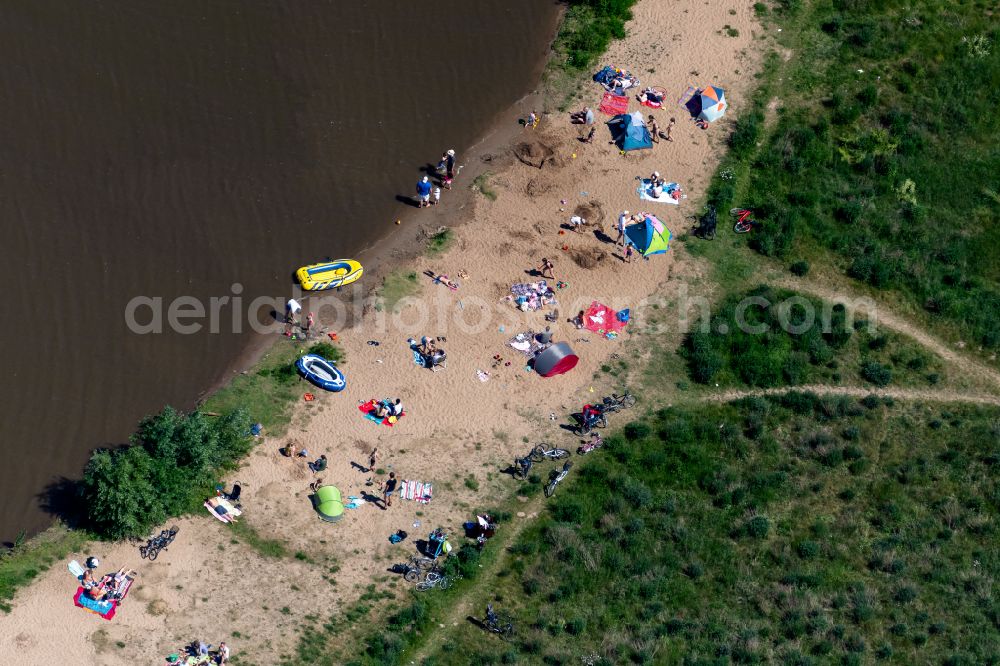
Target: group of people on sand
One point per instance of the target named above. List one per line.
(109, 586)
(201, 653)
(446, 170)
(292, 451)
(292, 310)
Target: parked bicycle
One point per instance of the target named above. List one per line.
(540, 453)
(550, 489)
(592, 416)
(436, 579)
(744, 220)
(498, 624)
(417, 568)
(615, 403)
(158, 543)
(595, 442)
(707, 224)
(522, 466)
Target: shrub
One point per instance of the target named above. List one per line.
(876, 373)
(637, 430)
(807, 549)
(758, 527)
(800, 268)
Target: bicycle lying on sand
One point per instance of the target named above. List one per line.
(158, 543)
(550, 488)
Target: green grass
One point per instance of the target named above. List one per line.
(27, 559)
(794, 530)
(891, 168)
(768, 337)
(395, 287)
(439, 242)
(267, 547)
(481, 184)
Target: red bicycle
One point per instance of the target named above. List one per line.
(744, 220)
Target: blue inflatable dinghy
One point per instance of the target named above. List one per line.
(321, 372)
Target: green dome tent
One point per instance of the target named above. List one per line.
(327, 502)
(649, 236)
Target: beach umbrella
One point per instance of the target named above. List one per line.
(708, 103)
(328, 504)
(555, 360)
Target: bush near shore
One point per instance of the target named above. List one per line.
(875, 138)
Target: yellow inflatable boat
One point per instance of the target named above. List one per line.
(329, 274)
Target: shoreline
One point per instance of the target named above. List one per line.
(501, 239)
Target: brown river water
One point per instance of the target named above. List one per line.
(167, 149)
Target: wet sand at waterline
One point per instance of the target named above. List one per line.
(174, 149)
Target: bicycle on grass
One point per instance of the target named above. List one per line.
(500, 625)
(744, 220)
(550, 488)
(540, 453)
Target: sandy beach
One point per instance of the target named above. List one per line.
(459, 432)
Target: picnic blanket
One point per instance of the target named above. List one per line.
(643, 192)
(526, 343)
(532, 295)
(613, 105)
(105, 609)
(653, 97)
(368, 409)
(416, 491)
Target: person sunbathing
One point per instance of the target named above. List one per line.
(385, 408)
(446, 281)
(650, 96)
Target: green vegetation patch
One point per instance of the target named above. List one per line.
(587, 29)
(883, 150)
(395, 287)
(440, 241)
(768, 337)
(23, 562)
(795, 530)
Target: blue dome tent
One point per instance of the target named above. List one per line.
(630, 132)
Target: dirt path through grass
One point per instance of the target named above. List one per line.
(463, 608)
(862, 391)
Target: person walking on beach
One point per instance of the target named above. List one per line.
(449, 168)
(372, 459)
(546, 269)
(623, 220)
(670, 129)
(292, 308)
(654, 129)
(424, 192)
(387, 490)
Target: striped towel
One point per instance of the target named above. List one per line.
(416, 491)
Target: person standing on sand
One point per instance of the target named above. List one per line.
(623, 220)
(437, 196)
(310, 322)
(670, 129)
(388, 489)
(292, 308)
(654, 129)
(628, 253)
(449, 168)
(546, 269)
(424, 192)
(372, 459)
